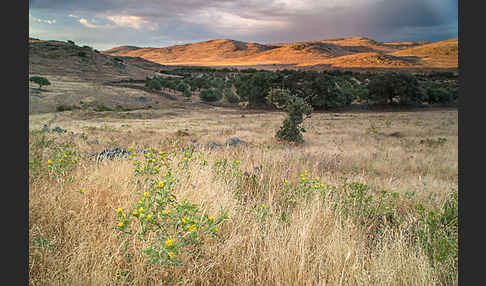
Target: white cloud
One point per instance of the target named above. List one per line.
(88, 24)
(133, 22)
(53, 21)
(230, 22)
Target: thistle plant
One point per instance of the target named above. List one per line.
(171, 230)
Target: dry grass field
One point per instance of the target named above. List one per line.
(272, 236)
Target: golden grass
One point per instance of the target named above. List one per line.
(316, 246)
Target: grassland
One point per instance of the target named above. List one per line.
(73, 235)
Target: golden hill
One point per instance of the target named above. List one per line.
(63, 58)
(342, 52)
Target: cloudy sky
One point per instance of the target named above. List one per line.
(104, 24)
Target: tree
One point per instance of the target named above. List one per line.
(153, 83)
(296, 108)
(395, 87)
(210, 95)
(40, 81)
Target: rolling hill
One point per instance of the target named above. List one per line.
(343, 52)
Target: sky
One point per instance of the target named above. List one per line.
(105, 24)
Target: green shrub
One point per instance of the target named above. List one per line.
(392, 87)
(439, 95)
(210, 95)
(179, 228)
(153, 84)
(67, 107)
(40, 81)
(230, 96)
(296, 109)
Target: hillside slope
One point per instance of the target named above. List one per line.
(343, 52)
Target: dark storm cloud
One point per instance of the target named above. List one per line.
(159, 23)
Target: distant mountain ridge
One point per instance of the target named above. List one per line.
(338, 52)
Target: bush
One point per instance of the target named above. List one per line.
(210, 95)
(153, 84)
(439, 95)
(40, 81)
(67, 107)
(230, 96)
(395, 87)
(296, 108)
(187, 93)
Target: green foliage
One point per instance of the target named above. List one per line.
(41, 81)
(67, 107)
(296, 109)
(181, 87)
(153, 84)
(171, 231)
(38, 143)
(187, 92)
(391, 87)
(230, 96)
(438, 231)
(210, 95)
(439, 95)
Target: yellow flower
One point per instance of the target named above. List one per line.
(146, 194)
(168, 242)
(192, 228)
(142, 215)
(133, 153)
(216, 229)
(211, 218)
(166, 212)
(171, 254)
(318, 178)
(171, 198)
(183, 221)
(119, 210)
(149, 217)
(49, 161)
(286, 181)
(135, 212)
(263, 205)
(82, 190)
(65, 156)
(153, 160)
(161, 184)
(120, 224)
(140, 209)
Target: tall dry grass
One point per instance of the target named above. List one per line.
(315, 245)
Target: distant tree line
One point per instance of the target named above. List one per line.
(322, 90)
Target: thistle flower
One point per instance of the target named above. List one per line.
(168, 242)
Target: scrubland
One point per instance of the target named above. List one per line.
(370, 198)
